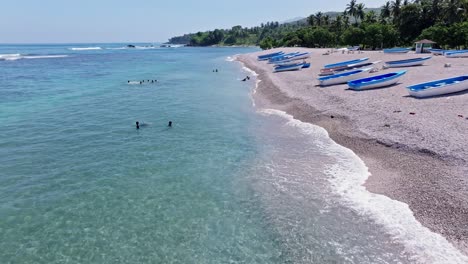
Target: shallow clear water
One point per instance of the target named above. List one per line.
(225, 184)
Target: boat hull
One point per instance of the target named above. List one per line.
(406, 63)
(457, 54)
(396, 50)
(343, 77)
(344, 63)
(439, 87)
(376, 81)
(289, 68)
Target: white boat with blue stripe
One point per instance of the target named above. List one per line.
(343, 77)
(282, 57)
(439, 87)
(456, 54)
(344, 63)
(293, 67)
(377, 81)
(407, 63)
(270, 55)
(397, 50)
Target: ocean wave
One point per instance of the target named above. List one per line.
(87, 48)
(233, 58)
(45, 57)
(121, 48)
(347, 178)
(13, 57)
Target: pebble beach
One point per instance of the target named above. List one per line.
(416, 149)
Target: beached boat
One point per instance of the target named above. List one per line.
(289, 58)
(306, 65)
(352, 67)
(397, 50)
(267, 56)
(436, 51)
(293, 67)
(377, 81)
(282, 57)
(439, 87)
(456, 54)
(344, 63)
(343, 77)
(407, 63)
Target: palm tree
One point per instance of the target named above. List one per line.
(371, 17)
(360, 11)
(318, 18)
(338, 23)
(351, 8)
(326, 20)
(346, 22)
(311, 20)
(396, 10)
(386, 11)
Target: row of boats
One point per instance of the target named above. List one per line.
(446, 53)
(450, 53)
(354, 72)
(287, 61)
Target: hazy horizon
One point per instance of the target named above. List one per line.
(54, 21)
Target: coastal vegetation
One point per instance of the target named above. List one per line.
(396, 23)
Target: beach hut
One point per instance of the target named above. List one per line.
(423, 45)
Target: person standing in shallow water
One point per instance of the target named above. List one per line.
(170, 124)
(137, 124)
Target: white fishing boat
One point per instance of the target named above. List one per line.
(407, 63)
(456, 54)
(293, 67)
(439, 87)
(396, 50)
(343, 77)
(377, 81)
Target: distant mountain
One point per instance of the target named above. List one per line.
(292, 20)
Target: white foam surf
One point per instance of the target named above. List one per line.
(13, 57)
(45, 57)
(86, 48)
(232, 58)
(347, 178)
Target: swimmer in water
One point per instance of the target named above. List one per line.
(137, 125)
(170, 124)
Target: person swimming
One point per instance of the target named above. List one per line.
(137, 124)
(170, 124)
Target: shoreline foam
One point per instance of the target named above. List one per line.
(376, 153)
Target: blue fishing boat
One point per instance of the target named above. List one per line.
(293, 67)
(292, 57)
(344, 63)
(436, 51)
(267, 56)
(456, 54)
(407, 63)
(397, 50)
(376, 81)
(351, 67)
(343, 77)
(306, 65)
(439, 87)
(282, 57)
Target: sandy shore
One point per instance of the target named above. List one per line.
(420, 159)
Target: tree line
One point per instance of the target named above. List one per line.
(396, 23)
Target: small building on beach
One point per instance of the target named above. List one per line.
(424, 44)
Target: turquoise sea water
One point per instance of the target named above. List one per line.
(225, 184)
